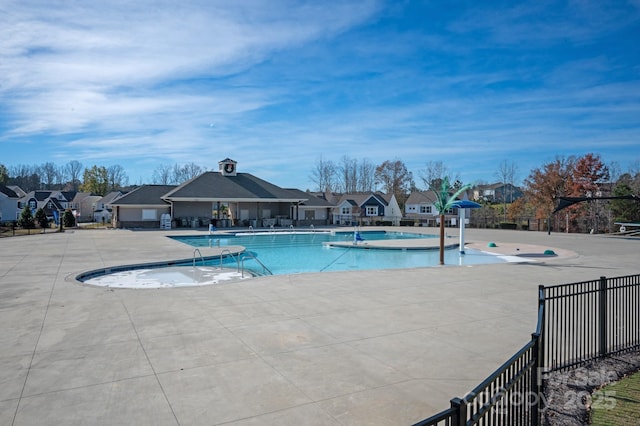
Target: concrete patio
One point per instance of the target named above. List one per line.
(349, 348)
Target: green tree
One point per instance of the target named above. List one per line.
(4, 175)
(41, 219)
(626, 210)
(68, 219)
(26, 219)
(96, 180)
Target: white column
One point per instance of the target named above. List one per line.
(462, 214)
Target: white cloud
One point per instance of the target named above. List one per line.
(75, 64)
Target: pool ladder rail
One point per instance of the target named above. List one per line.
(239, 260)
(251, 256)
(194, 257)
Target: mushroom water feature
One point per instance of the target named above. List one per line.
(463, 205)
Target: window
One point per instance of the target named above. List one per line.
(425, 209)
(149, 214)
(372, 210)
(346, 210)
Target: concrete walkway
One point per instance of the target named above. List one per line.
(350, 348)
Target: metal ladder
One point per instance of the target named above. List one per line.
(250, 255)
(194, 257)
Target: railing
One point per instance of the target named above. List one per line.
(251, 256)
(194, 257)
(231, 255)
(576, 323)
(591, 319)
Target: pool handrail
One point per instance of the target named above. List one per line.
(232, 256)
(194, 257)
(248, 254)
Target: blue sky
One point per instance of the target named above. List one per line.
(276, 85)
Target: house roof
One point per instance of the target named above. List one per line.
(422, 197)
(8, 191)
(107, 199)
(359, 198)
(56, 203)
(311, 200)
(213, 186)
(40, 195)
(145, 195)
(17, 190)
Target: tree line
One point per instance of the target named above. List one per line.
(586, 176)
(98, 180)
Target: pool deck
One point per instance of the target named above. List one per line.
(341, 348)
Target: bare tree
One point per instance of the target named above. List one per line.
(366, 176)
(73, 170)
(162, 175)
(183, 173)
(435, 173)
(117, 177)
(324, 175)
(24, 176)
(506, 174)
(48, 175)
(191, 170)
(348, 170)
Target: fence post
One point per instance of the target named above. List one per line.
(602, 316)
(460, 412)
(538, 352)
(542, 321)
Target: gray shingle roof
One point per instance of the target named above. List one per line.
(8, 191)
(242, 187)
(311, 200)
(418, 197)
(144, 195)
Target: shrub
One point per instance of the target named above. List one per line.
(41, 219)
(26, 219)
(68, 219)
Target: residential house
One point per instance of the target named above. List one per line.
(420, 206)
(366, 208)
(102, 210)
(82, 204)
(8, 204)
(497, 193)
(54, 203)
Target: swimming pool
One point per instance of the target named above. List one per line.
(292, 253)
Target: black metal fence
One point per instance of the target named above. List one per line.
(591, 319)
(576, 323)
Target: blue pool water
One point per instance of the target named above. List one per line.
(291, 253)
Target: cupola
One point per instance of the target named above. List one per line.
(227, 167)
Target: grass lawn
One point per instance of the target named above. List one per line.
(617, 403)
